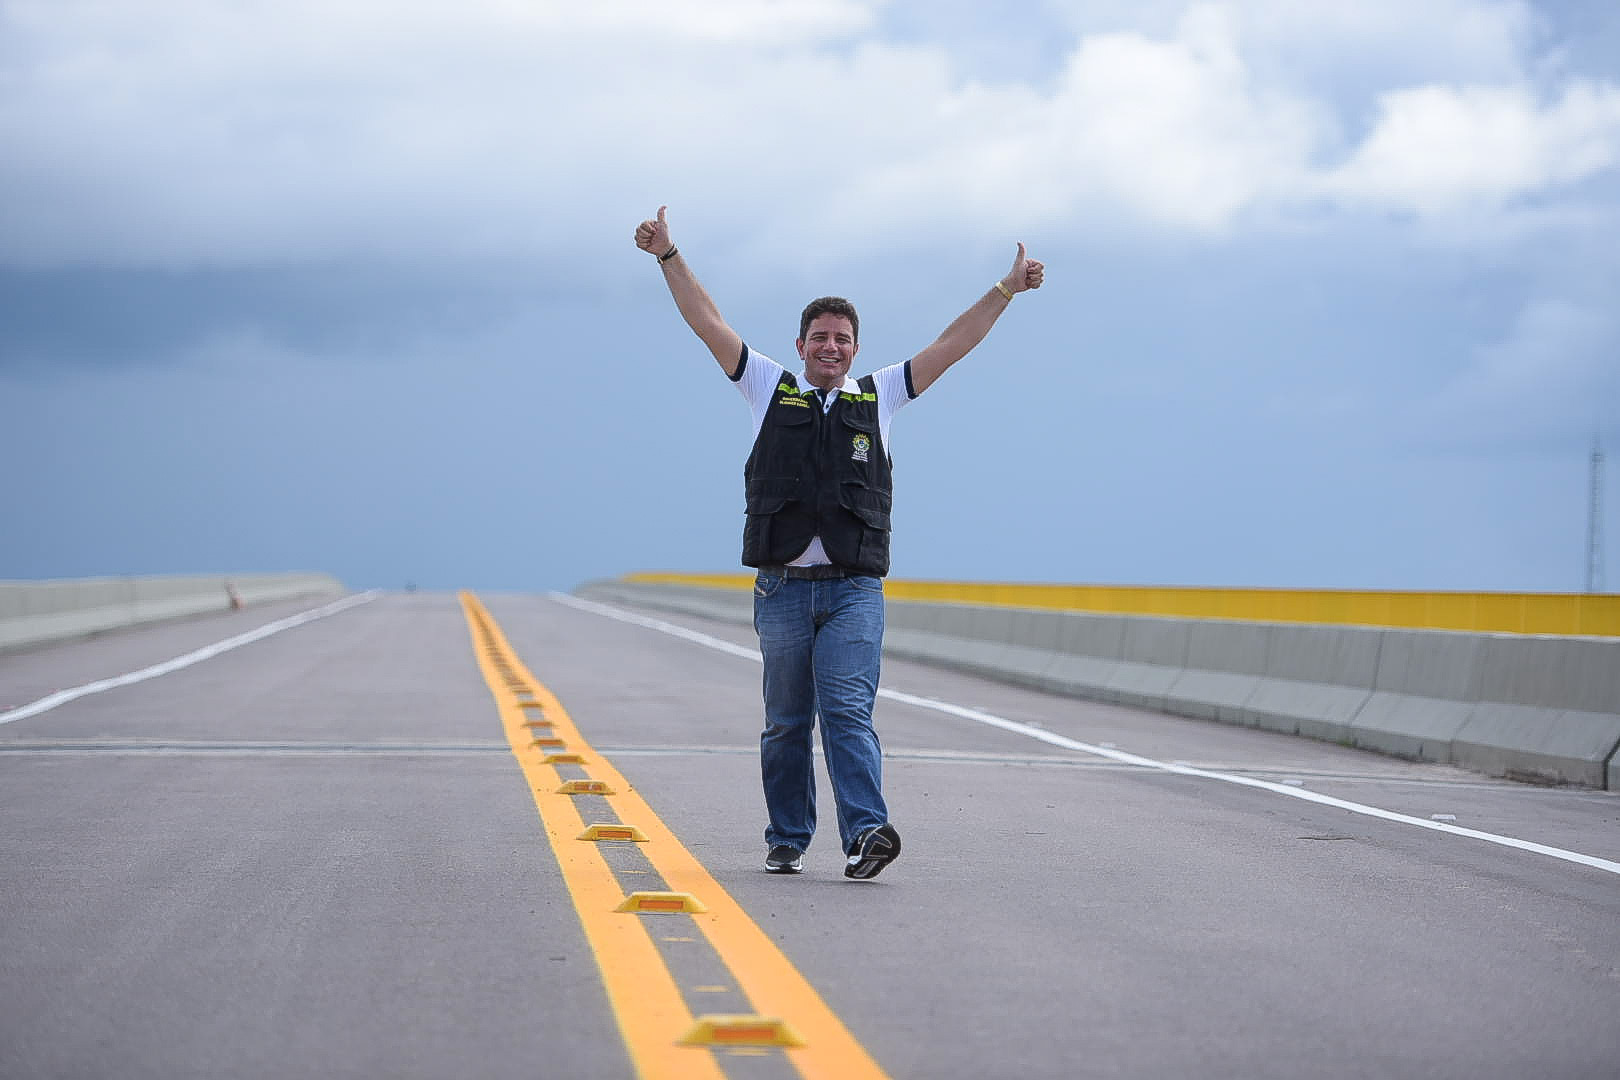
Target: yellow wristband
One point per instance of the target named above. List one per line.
(1002, 288)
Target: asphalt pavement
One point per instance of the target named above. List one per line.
(316, 855)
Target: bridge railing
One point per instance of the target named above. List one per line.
(1439, 679)
(39, 612)
(1565, 614)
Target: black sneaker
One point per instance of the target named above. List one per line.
(784, 860)
(876, 849)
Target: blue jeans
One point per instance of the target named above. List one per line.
(822, 642)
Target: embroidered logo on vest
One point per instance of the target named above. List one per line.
(861, 444)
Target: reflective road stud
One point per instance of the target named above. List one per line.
(652, 1007)
(585, 787)
(739, 1029)
(662, 902)
(614, 832)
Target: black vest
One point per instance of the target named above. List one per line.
(819, 474)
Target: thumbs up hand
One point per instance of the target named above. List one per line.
(1026, 273)
(653, 236)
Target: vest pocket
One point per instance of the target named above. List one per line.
(768, 494)
(858, 419)
(867, 503)
(792, 416)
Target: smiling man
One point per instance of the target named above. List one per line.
(817, 530)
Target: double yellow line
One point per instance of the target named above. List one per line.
(662, 1034)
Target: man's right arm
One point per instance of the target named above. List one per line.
(693, 300)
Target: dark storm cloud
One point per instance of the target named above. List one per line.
(122, 318)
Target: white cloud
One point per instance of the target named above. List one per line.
(1438, 149)
(1182, 130)
(1345, 50)
(1171, 131)
(189, 131)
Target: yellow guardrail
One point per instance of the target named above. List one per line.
(1581, 614)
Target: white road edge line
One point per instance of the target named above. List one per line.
(1014, 726)
(62, 697)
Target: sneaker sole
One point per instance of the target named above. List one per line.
(880, 848)
(796, 866)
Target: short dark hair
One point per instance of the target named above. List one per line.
(830, 305)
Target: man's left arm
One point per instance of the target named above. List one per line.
(970, 327)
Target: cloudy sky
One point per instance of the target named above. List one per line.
(295, 284)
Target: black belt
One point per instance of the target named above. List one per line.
(819, 572)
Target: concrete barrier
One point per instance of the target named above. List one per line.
(1090, 648)
(1540, 708)
(1426, 685)
(1547, 704)
(1317, 679)
(952, 635)
(1224, 667)
(1151, 657)
(40, 612)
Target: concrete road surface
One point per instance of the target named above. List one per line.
(316, 855)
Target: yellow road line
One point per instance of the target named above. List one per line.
(646, 1002)
(651, 1013)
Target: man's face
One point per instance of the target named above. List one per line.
(827, 349)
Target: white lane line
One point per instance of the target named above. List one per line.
(659, 624)
(982, 717)
(217, 748)
(62, 697)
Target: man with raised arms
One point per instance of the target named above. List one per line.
(817, 531)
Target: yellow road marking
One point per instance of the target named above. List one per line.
(645, 1000)
(651, 1013)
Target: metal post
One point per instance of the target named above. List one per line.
(1594, 522)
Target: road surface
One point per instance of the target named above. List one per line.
(321, 853)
